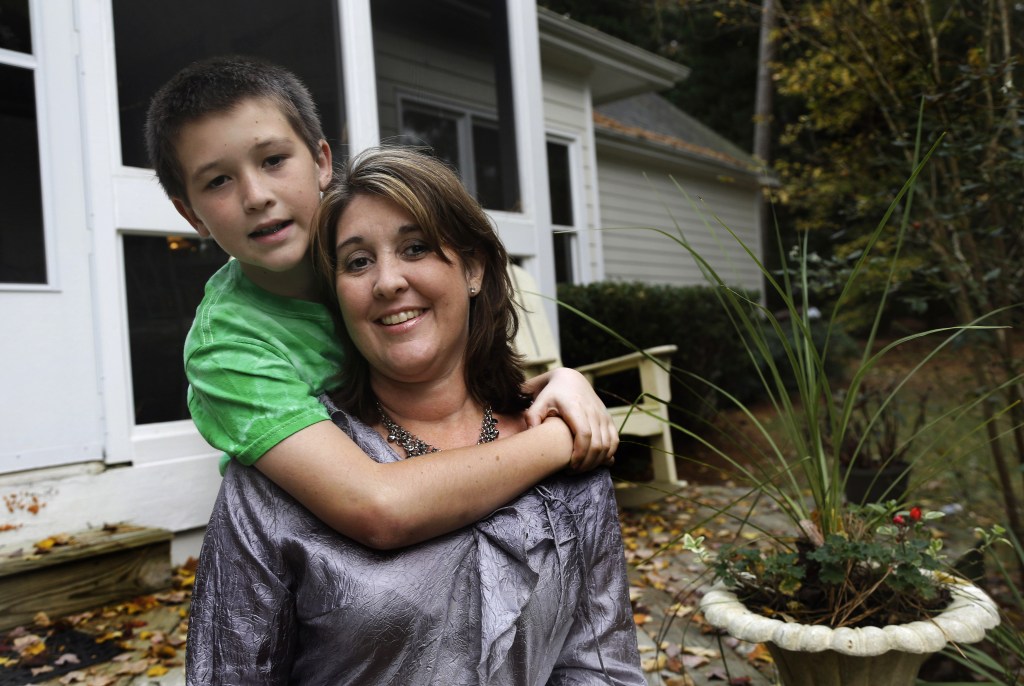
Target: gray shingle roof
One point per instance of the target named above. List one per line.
(651, 118)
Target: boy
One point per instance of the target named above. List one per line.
(237, 145)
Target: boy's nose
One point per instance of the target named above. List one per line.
(255, 195)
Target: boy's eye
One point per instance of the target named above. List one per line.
(217, 181)
(275, 160)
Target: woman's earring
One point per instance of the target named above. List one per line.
(472, 290)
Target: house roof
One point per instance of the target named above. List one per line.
(660, 126)
(617, 69)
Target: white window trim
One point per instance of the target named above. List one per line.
(36, 62)
(463, 115)
(580, 247)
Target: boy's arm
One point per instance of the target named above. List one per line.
(567, 393)
(391, 505)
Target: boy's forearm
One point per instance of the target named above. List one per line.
(391, 505)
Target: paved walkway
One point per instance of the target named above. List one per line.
(146, 636)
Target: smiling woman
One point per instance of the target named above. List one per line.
(535, 592)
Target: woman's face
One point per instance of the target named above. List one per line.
(406, 310)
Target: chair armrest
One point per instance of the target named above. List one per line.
(661, 354)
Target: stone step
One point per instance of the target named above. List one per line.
(65, 574)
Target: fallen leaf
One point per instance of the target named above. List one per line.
(36, 671)
(694, 661)
(74, 677)
(702, 652)
(653, 664)
(137, 667)
(681, 680)
(760, 654)
(67, 659)
(156, 670)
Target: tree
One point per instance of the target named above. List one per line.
(871, 75)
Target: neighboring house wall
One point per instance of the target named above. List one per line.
(639, 195)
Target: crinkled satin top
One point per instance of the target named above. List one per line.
(535, 593)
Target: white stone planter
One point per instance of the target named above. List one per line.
(820, 656)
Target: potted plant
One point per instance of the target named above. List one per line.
(858, 593)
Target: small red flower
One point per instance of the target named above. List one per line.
(915, 514)
(898, 520)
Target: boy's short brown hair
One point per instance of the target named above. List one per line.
(217, 85)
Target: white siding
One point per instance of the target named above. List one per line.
(637, 200)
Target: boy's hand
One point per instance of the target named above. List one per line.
(566, 393)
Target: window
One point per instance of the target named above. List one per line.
(22, 231)
(445, 82)
(155, 38)
(562, 216)
(467, 141)
(165, 276)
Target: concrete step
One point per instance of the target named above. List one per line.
(65, 573)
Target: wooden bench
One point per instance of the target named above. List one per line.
(646, 419)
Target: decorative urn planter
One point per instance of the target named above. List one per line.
(814, 655)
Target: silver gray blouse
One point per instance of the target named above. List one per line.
(535, 593)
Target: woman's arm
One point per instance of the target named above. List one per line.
(396, 504)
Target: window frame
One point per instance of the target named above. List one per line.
(123, 199)
(36, 63)
(579, 252)
(465, 117)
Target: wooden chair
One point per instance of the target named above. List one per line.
(646, 419)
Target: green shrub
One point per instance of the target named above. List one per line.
(690, 317)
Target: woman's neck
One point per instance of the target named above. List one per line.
(442, 414)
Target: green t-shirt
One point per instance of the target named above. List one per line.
(256, 363)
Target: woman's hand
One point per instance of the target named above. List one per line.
(566, 393)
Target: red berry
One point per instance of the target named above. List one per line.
(915, 514)
(899, 520)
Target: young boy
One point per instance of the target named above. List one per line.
(238, 147)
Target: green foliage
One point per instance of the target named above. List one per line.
(717, 40)
(884, 571)
(647, 315)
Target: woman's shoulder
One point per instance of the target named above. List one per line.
(362, 434)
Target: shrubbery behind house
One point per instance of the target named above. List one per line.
(690, 317)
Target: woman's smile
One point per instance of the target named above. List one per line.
(400, 317)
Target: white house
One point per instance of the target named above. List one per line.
(555, 126)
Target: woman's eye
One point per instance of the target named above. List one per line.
(354, 264)
(417, 249)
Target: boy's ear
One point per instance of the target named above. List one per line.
(323, 164)
(185, 211)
